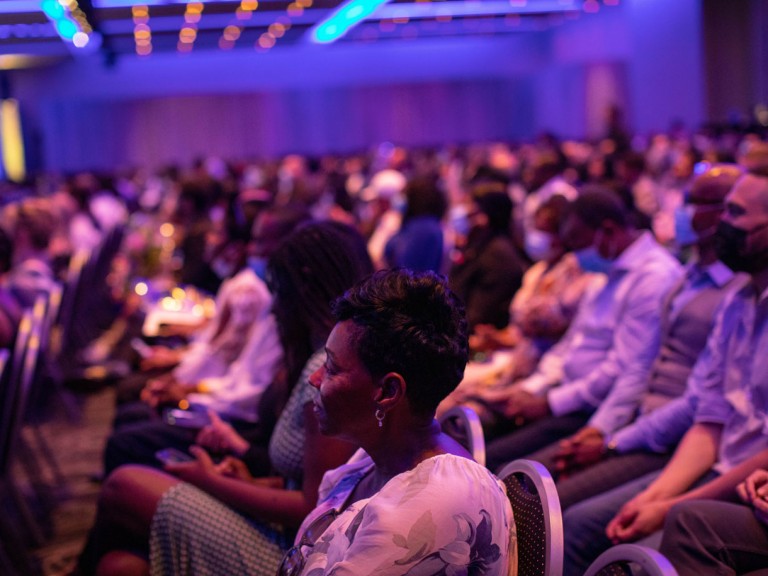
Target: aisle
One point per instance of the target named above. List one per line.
(78, 448)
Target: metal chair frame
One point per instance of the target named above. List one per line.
(533, 477)
(619, 557)
(470, 430)
(15, 394)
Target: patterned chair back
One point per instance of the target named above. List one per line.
(538, 518)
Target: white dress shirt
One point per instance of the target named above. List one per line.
(602, 362)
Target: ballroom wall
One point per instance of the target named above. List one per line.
(644, 55)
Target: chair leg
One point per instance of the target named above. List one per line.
(34, 531)
(45, 449)
(66, 398)
(14, 558)
(29, 460)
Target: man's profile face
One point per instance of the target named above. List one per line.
(576, 234)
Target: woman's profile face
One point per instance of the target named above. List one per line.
(345, 405)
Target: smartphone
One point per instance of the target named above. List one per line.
(186, 418)
(172, 456)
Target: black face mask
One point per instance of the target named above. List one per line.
(731, 247)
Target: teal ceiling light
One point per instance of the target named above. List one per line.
(71, 24)
(341, 20)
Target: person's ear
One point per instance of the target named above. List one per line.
(391, 390)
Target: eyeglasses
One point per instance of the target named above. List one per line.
(293, 560)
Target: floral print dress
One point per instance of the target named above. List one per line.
(447, 516)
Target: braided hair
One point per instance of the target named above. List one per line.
(307, 272)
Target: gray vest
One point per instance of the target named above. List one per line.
(683, 339)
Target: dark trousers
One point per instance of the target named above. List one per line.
(713, 537)
(140, 432)
(601, 476)
(532, 437)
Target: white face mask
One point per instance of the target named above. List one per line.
(538, 244)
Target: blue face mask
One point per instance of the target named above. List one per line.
(538, 245)
(591, 261)
(685, 235)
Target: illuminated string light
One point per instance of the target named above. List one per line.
(234, 30)
(295, 9)
(281, 25)
(142, 33)
(266, 41)
(188, 33)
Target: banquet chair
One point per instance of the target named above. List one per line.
(14, 396)
(45, 387)
(538, 517)
(73, 283)
(463, 425)
(617, 561)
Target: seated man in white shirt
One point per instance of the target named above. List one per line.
(597, 374)
(591, 462)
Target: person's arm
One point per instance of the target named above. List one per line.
(644, 514)
(696, 455)
(549, 370)
(288, 507)
(615, 387)
(248, 376)
(724, 486)
(658, 431)
(650, 517)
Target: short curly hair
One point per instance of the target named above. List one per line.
(412, 324)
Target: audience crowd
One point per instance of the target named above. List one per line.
(600, 305)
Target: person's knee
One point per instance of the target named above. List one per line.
(688, 518)
(122, 563)
(131, 494)
(577, 518)
(119, 485)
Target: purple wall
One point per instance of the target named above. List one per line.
(349, 97)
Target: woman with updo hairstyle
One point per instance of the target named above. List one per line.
(411, 501)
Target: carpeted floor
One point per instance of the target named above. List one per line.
(77, 447)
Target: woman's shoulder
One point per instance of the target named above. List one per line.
(445, 504)
(467, 481)
(454, 465)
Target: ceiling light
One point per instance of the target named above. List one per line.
(345, 17)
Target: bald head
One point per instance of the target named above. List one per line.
(713, 185)
(751, 192)
(755, 159)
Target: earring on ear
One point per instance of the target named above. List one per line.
(379, 414)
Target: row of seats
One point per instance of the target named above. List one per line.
(34, 374)
(538, 519)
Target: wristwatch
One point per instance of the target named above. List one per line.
(610, 449)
